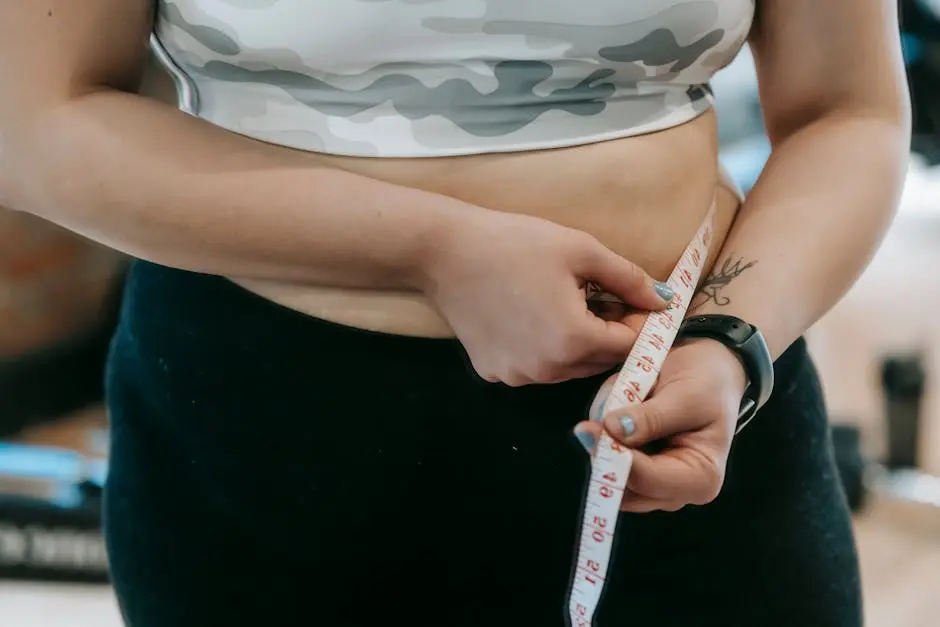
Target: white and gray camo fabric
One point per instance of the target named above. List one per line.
(423, 78)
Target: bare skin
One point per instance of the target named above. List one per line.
(506, 271)
(643, 197)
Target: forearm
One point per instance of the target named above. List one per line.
(161, 185)
(810, 225)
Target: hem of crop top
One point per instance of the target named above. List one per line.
(677, 118)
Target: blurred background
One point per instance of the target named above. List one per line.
(878, 352)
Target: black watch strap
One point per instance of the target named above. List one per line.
(746, 341)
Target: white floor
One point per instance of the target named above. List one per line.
(53, 605)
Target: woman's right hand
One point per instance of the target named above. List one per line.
(512, 289)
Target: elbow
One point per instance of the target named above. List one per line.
(895, 118)
(886, 111)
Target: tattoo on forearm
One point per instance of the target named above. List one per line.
(720, 278)
(709, 292)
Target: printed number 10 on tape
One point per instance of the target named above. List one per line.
(610, 464)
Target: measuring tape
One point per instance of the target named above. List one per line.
(610, 463)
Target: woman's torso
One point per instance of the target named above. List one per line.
(643, 192)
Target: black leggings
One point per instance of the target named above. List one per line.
(269, 468)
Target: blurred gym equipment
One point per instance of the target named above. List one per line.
(59, 298)
(903, 381)
(50, 514)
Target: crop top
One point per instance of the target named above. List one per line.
(424, 78)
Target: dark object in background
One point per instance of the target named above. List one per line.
(846, 441)
(50, 515)
(920, 26)
(903, 379)
(40, 541)
(59, 296)
(49, 382)
(59, 300)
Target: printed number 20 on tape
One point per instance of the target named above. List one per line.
(610, 464)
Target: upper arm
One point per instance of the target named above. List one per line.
(814, 57)
(53, 50)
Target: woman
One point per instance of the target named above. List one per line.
(369, 417)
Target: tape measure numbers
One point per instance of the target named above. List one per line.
(611, 461)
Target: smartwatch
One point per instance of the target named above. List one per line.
(745, 341)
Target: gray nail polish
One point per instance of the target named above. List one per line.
(665, 292)
(628, 426)
(586, 438)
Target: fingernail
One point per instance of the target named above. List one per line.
(628, 426)
(586, 438)
(665, 292)
(600, 411)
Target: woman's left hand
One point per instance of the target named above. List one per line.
(690, 419)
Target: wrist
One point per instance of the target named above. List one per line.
(724, 362)
(442, 237)
(435, 229)
(749, 367)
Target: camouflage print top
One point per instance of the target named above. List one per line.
(419, 78)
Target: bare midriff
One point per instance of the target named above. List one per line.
(643, 197)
